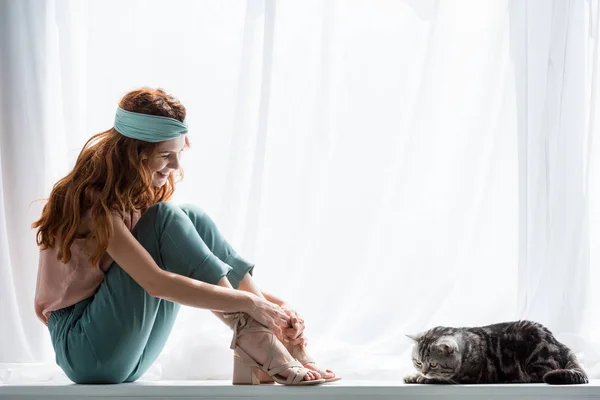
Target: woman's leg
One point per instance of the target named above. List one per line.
(106, 338)
(159, 335)
(240, 277)
(217, 244)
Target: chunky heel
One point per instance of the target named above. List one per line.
(242, 374)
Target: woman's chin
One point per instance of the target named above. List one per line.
(159, 182)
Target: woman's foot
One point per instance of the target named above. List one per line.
(326, 374)
(258, 347)
(300, 354)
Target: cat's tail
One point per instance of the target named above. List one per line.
(572, 374)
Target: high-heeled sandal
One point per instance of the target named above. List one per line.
(300, 354)
(245, 368)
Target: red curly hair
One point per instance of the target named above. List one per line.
(111, 174)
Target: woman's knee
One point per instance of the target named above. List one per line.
(163, 207)
(201, 220)
(193, 211)
(161, 212)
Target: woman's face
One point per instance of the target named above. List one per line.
(166, 159)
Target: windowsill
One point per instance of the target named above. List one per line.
(341, 390)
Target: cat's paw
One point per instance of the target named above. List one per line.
(418, 378)
(414, 378)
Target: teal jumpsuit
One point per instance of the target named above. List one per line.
(115, 335)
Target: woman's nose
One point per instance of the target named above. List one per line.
(174, 164)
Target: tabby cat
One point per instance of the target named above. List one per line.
(509, 352)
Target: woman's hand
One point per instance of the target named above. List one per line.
(294, 333)
(270, 315)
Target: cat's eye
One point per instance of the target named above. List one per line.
(418, 363)
(433, 364)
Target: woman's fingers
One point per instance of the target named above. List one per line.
(281, 320)
(283, 323)
(294, 319)
(277, 331)
(290, 335)
(295, 342)
(295, 332)
(271, 316)
(297, 321)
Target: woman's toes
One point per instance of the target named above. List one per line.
(329, 374)
(311, 376)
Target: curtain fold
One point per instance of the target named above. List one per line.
(555, 207)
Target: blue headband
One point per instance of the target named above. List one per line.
(148, 128)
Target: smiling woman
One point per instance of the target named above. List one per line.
(117, 259)
(165, 159)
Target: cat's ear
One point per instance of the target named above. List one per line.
(415, 338)
(447, 346)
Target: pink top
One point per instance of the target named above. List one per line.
(61, 285)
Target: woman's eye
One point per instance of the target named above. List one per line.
(433, 364)
(165, 157)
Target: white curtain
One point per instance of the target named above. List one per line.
(592, 187)
(389, 166)
(556, 173)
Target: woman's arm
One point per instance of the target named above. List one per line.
(248, 285)
(139, 264)
(273, 299)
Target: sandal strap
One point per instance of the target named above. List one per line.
(235, 320)
(296, 372)
(296, 375)
(238, 321)
(288, 365)
(254, 329)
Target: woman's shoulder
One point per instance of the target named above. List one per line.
(129, 217)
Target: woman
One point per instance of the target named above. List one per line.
(117, 259)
